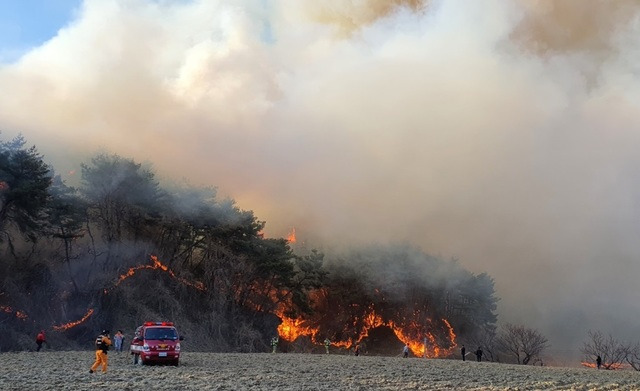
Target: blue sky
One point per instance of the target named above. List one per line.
(28, 23)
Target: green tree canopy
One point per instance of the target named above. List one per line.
(24, 184)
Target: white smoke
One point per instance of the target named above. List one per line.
(501, 133)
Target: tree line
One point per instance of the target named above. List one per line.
(65, 250)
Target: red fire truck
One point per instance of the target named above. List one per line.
(156, 342)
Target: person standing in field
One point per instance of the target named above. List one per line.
(479, 354)
(327, 343)
(463, 351)
(274, 344)
(102, 346)
(405, 351)
(117, 341)
(598, 362)
(41, 339)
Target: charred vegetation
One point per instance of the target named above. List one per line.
(121, 249)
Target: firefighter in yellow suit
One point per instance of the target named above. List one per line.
(102, 346)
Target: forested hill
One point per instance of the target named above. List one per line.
(121, 249)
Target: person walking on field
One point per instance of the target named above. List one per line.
(327, 343)
(463, 351)
(117, 341)
(405, 351)
(40, 339)
(479, 354)
(274, 344)
(598, 362)
(102, 346)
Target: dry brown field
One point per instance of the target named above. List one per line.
(51, 370)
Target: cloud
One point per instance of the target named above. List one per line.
(500, 133)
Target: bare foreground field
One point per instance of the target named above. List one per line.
(265, 371)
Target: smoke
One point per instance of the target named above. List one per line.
(351, 15)
(500, 133)
(592, 27)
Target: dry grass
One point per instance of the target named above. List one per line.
(264, 371)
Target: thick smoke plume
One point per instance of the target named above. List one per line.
(504, 134)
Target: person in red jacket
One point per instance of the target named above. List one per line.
(40, 339)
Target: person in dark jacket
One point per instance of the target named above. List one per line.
(463, 351)
(479, 354)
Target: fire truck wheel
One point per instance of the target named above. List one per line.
(175, 363)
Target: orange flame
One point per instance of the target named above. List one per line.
(421, 342)
(614, 366)
(291, 238)
(155, 266)
(17, 313)
(131, 272)
(291, 329)
(69, 325)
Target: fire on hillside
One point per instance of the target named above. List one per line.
(424, 336)
(155, 265)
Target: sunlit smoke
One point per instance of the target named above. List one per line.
(502, 133)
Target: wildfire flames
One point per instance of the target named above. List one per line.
(291, 238)
(424, 336)
(614, 366)
(69, 325)
(18, 314)
(156, 265)
(422, 339)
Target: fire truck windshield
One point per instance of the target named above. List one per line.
(161, 333)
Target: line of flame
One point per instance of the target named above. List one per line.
(155, 266)
(615, 366)
(132, 271)
(17, 313)
(69, 325)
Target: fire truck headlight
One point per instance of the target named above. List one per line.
(145, 347)
(178, 347)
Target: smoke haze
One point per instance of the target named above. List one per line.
(504, 134)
